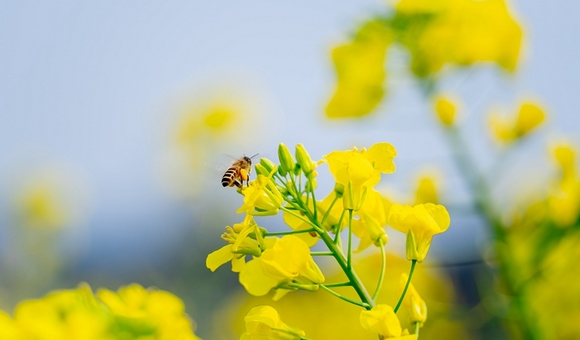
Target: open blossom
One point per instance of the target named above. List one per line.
(360, 170)
(419, 223)
(286, 265)
(263, 322)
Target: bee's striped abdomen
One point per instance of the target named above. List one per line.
(229, 178)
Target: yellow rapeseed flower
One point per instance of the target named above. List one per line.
(358, 170)
(262, 197)
(263, 322)
(419, 223)
(239, 245)
(286, 265)
(460, 32)
(360, 66)
(383, 321)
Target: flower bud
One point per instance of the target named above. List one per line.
(286, 160)
(339, 189)
(304, 159)
(411, 247)
(261, 170)
(267, 164)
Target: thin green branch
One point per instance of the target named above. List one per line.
(413, 263)
(314, 226)
(327, 213)
(321, 253)
(338, 284)
(290, 232)
(382, 273)
(349, 253)
(360, 304)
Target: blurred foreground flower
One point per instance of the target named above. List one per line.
(131, 313)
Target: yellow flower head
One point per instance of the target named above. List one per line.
(446, 109)
(359, 170)
(263, 322)
(287, 265)
(419, 223)
(565, 156)
(383, 321)
(413, 302)
(361, 72)
(509, 129)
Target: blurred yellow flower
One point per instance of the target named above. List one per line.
(285, 266)
(419, 223)
(383, 321)
(565, 156)
(359, 170)
(446, 109)
(360, 66)
(427, 190)
(154, 314)
(133, 313)
(460, 32)
(413, 303)
(509, 129)
(263, 322)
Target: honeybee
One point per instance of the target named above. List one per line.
(238, 172)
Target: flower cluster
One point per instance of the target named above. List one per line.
(132, 312)
(282, 261)
(435, 34)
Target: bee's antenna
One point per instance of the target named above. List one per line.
(254, 155)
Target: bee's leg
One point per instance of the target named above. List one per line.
(244, 175)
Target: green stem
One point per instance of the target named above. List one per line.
(416, 325)
(507, 268)
(282, 233)
(314, 226)
(382, 274)
(360, 304)
(349, 253)
(327, 213)
(337, 235)
(321, 253)
(413, 263)
(338, 284)
(357, 284)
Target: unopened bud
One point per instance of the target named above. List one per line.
(304, 159)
